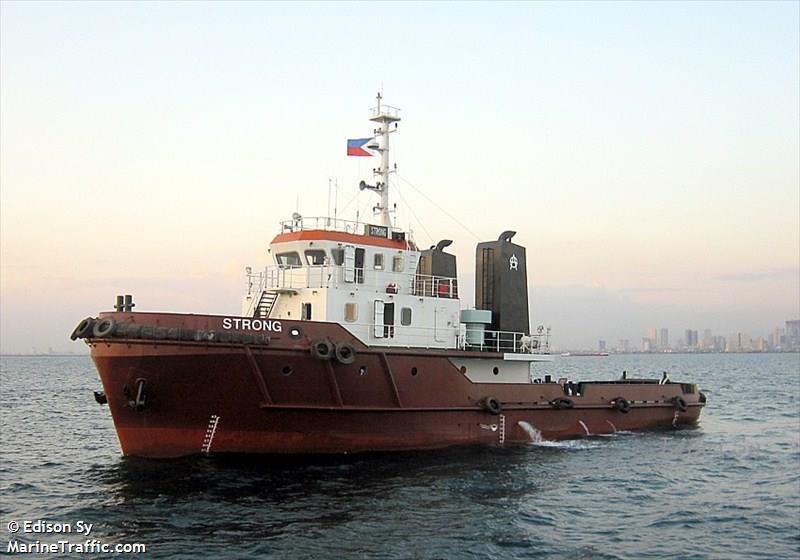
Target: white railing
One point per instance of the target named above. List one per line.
(387, 110)
(504, 341)
(328, 276)
(326, 223)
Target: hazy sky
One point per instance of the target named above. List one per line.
(647, 153)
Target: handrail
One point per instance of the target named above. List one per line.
(332, 275)
(325, 223)
(506, 341)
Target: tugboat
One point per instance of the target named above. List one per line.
(352, 340)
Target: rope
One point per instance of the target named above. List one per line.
(445, 212)
(411, 209)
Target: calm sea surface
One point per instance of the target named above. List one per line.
(728, 489)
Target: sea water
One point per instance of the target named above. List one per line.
(729, 488)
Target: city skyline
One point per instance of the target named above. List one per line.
(780, 339)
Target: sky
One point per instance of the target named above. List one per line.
(647, 153)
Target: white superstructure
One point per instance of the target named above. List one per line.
(366, 276)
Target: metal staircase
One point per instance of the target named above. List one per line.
(266, 303)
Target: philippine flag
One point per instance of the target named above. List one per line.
(354, 147)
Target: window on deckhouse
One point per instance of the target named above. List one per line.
(359, 265)
(288, 260)
(315, 257)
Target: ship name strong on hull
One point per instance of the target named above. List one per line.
(229, 323)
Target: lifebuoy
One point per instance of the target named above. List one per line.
(622, 405)
(345, 354)
(492, 405)
(104, 327)
(322, 349)
(680, 404)
(83, 329)
(562, 403)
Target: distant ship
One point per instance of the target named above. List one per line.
(355, 339)
(584, 354)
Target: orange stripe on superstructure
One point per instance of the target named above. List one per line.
(340, 237)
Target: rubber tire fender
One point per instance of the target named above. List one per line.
(562, 403)
(622, 405)
(345, 354)
(83, 329)
(680, 404)
(492, 405)
(322, 349)
(104, 327)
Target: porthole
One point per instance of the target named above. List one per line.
(463, 369)
(362, 370)
(413, 371)
(295, 332)
(495, 370)
(287, 370)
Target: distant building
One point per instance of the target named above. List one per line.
(739, 342)
(601, 345)
(708, 339)
(792, 337)
(691, 338)
(623, 345)
(647, 344)
(652, 337)
(663, 339)
(776, 338)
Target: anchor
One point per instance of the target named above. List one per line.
(140, 401)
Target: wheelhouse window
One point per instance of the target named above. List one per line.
(405, 316)
(378, 261)
(315, 257)
(288, 260)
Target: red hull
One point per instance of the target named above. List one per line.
(234, 397)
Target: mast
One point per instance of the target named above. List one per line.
(385, 116)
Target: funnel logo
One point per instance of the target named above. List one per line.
(513, 263)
